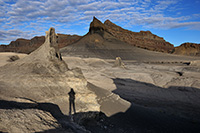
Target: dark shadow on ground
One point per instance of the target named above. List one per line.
(149, 111)
(66, 125)
(175, 97)
(157, 109)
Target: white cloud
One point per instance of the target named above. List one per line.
(44, 13)
(9, 35)
(172, 25)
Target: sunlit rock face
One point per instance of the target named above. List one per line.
(191, 49)
(44, 77)
(119, 63)
(142, 39)
(40, 83)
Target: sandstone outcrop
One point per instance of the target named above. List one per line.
(40, 83)
(99, 42)
(191, 49)
(28, 46)
(142, 39)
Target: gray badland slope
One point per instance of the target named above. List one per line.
(99, 43)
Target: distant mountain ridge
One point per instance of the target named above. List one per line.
(191, 49)
(27, 46)
(100, 43)
(142, 39)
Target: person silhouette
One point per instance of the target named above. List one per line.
(71, 101)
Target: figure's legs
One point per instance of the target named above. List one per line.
(70, 109)
(74, 107)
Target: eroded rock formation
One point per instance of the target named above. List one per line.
(142, 39)
(40, 83)
(191, 49)
(96, 26)
(99, 42)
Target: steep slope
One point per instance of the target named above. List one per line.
(28, 46)
(100, 43)
(142, 39)
(41, 81)
(191, 49)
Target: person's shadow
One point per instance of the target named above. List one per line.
(71, 101)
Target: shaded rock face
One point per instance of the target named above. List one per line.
(191, 49)
(142, 39)
(96, 26)
(28, 46)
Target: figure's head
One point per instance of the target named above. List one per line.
(72, 89)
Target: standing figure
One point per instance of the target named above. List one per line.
(71, 101)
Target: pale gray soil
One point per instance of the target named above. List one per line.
(150, 92)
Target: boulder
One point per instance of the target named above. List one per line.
(14, 58)
(119, 63)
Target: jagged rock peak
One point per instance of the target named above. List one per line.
(108, 21)
(96, 26)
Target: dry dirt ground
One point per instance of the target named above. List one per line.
(159, 90)
(164, 95)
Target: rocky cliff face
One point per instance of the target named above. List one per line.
(191, 49)
(28, 46)
(142, 39)
(103, 42)
(97, 26)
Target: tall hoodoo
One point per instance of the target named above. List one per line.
(51, 38)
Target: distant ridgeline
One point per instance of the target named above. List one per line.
(142, 39)
(28, 46)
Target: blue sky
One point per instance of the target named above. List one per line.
(178, 21)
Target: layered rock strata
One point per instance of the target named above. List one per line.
(142, 39)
